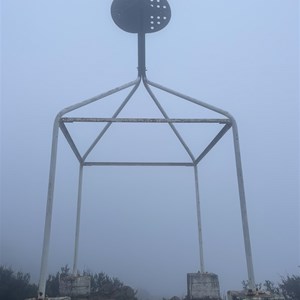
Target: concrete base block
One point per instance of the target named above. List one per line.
(257, 295)
(75, 286)
(203, 286)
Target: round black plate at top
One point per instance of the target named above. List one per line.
(141, 16)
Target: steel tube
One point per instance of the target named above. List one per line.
(191, 99)
(142, 120)
(187, 149)
(48, 219)
(69, 139)
(98, 97)
(79, 197)
(109, 123)
(243, 206)
(213, 142)
(200, 239)
(141, 54)
(136, 164)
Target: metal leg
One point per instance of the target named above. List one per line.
(47, 229)
(240, 179)
(202, 269)
(78, 220)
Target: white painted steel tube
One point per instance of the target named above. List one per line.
(79, 198)
(100, 135)
(243, 206)
(187, 149)
(48, 219)
(200, 238)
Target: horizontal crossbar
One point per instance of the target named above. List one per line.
(143, 120)
(141, 164)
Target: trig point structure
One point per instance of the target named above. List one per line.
(143, 17)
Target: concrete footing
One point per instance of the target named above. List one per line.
(75, 286)
(249, 295)
(203, 286)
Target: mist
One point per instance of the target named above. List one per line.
(139, 223)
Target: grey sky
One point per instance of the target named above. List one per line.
(140, 224)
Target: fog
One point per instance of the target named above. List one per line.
(139, 223)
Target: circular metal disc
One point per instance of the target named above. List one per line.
(141, 16)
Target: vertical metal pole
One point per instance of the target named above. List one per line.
(141, 54)
(48, 219)
(79, 197)
(202, 269)
(240, 179)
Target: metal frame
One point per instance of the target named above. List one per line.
(59, 123)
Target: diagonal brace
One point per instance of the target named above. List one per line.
(213, 143)
(70, 140)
